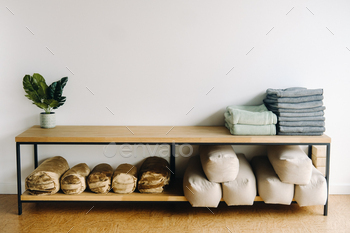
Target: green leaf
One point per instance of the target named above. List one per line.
(55, 90)
(42, 86)
(51, 103)
(42, 105)
(31, 88)
(64, 81)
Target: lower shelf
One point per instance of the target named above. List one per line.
(172, 193)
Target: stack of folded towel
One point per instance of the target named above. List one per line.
(300, 110)
(250, 120)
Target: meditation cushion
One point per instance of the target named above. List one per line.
(270, 188)
(45, 179)
(242, 190)
(100, 178)
(291, 164)
(124, 178)
(73, 181)
(314, 193)
(154, 175)
(198, 190)
(219, 162)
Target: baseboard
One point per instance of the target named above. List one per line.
(8, 188)
(339, 189)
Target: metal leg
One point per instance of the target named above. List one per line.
(35, 155)
(19, 180)
(309, 151)
(172, 160)
(325, 211)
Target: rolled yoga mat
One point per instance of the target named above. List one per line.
(100, 178)
(124, 178)
(45, 179)
(154, 175)
(73, 181)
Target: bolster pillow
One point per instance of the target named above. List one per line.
(198, 190)
(291, 164)
(219, 162)
(270, 188)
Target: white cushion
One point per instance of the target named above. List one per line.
(242, 190)
(220, 162)
(291, 164)
(314, 193)
(270, 188)
(199, 191)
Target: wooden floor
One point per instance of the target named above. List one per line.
(172, 217)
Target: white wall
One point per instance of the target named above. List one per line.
(150, 62)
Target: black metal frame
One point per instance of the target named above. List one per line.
(172, 159)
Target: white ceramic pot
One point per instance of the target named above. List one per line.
(47, 120)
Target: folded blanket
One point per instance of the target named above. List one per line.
(124, 178)
(305, 129)
(273, 99)
(100, 178)
(300, 114)
(315, 118)
(302, 110)
(311, 104)
(74, 180)
(301, 134)
(238, 129)
(250, 115)
(45, 179)
(154, 175)
(301, 123)
(293, 92)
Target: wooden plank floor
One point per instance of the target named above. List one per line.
(172, 217)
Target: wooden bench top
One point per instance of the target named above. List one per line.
(153, 134)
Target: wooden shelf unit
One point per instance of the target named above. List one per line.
(173, 136)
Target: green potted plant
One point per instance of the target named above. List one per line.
(45, 97)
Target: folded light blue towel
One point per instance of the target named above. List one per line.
(300, 114)
(315, 118)
(301, 123)
(273, 99)
(238, 129)
(277, 110)
(311, 104)
(293, 92)
(250, 115)
(302, 129)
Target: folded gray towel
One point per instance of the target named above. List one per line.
(311, 104)
(302, 129)
(273, 99)
(301, 123)
(301, 134)
(315, 118)
(300, 114)
(293, 92)
(279, 110)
